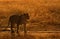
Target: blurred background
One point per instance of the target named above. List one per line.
(44, 14)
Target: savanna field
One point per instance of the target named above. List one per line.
(44, 22)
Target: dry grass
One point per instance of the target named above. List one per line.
(44, 16)
(30, 35)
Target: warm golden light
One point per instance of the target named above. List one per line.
(44, 22)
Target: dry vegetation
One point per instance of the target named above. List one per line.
(44, 16)
(30, 35)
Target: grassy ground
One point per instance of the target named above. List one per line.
(30, 35)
